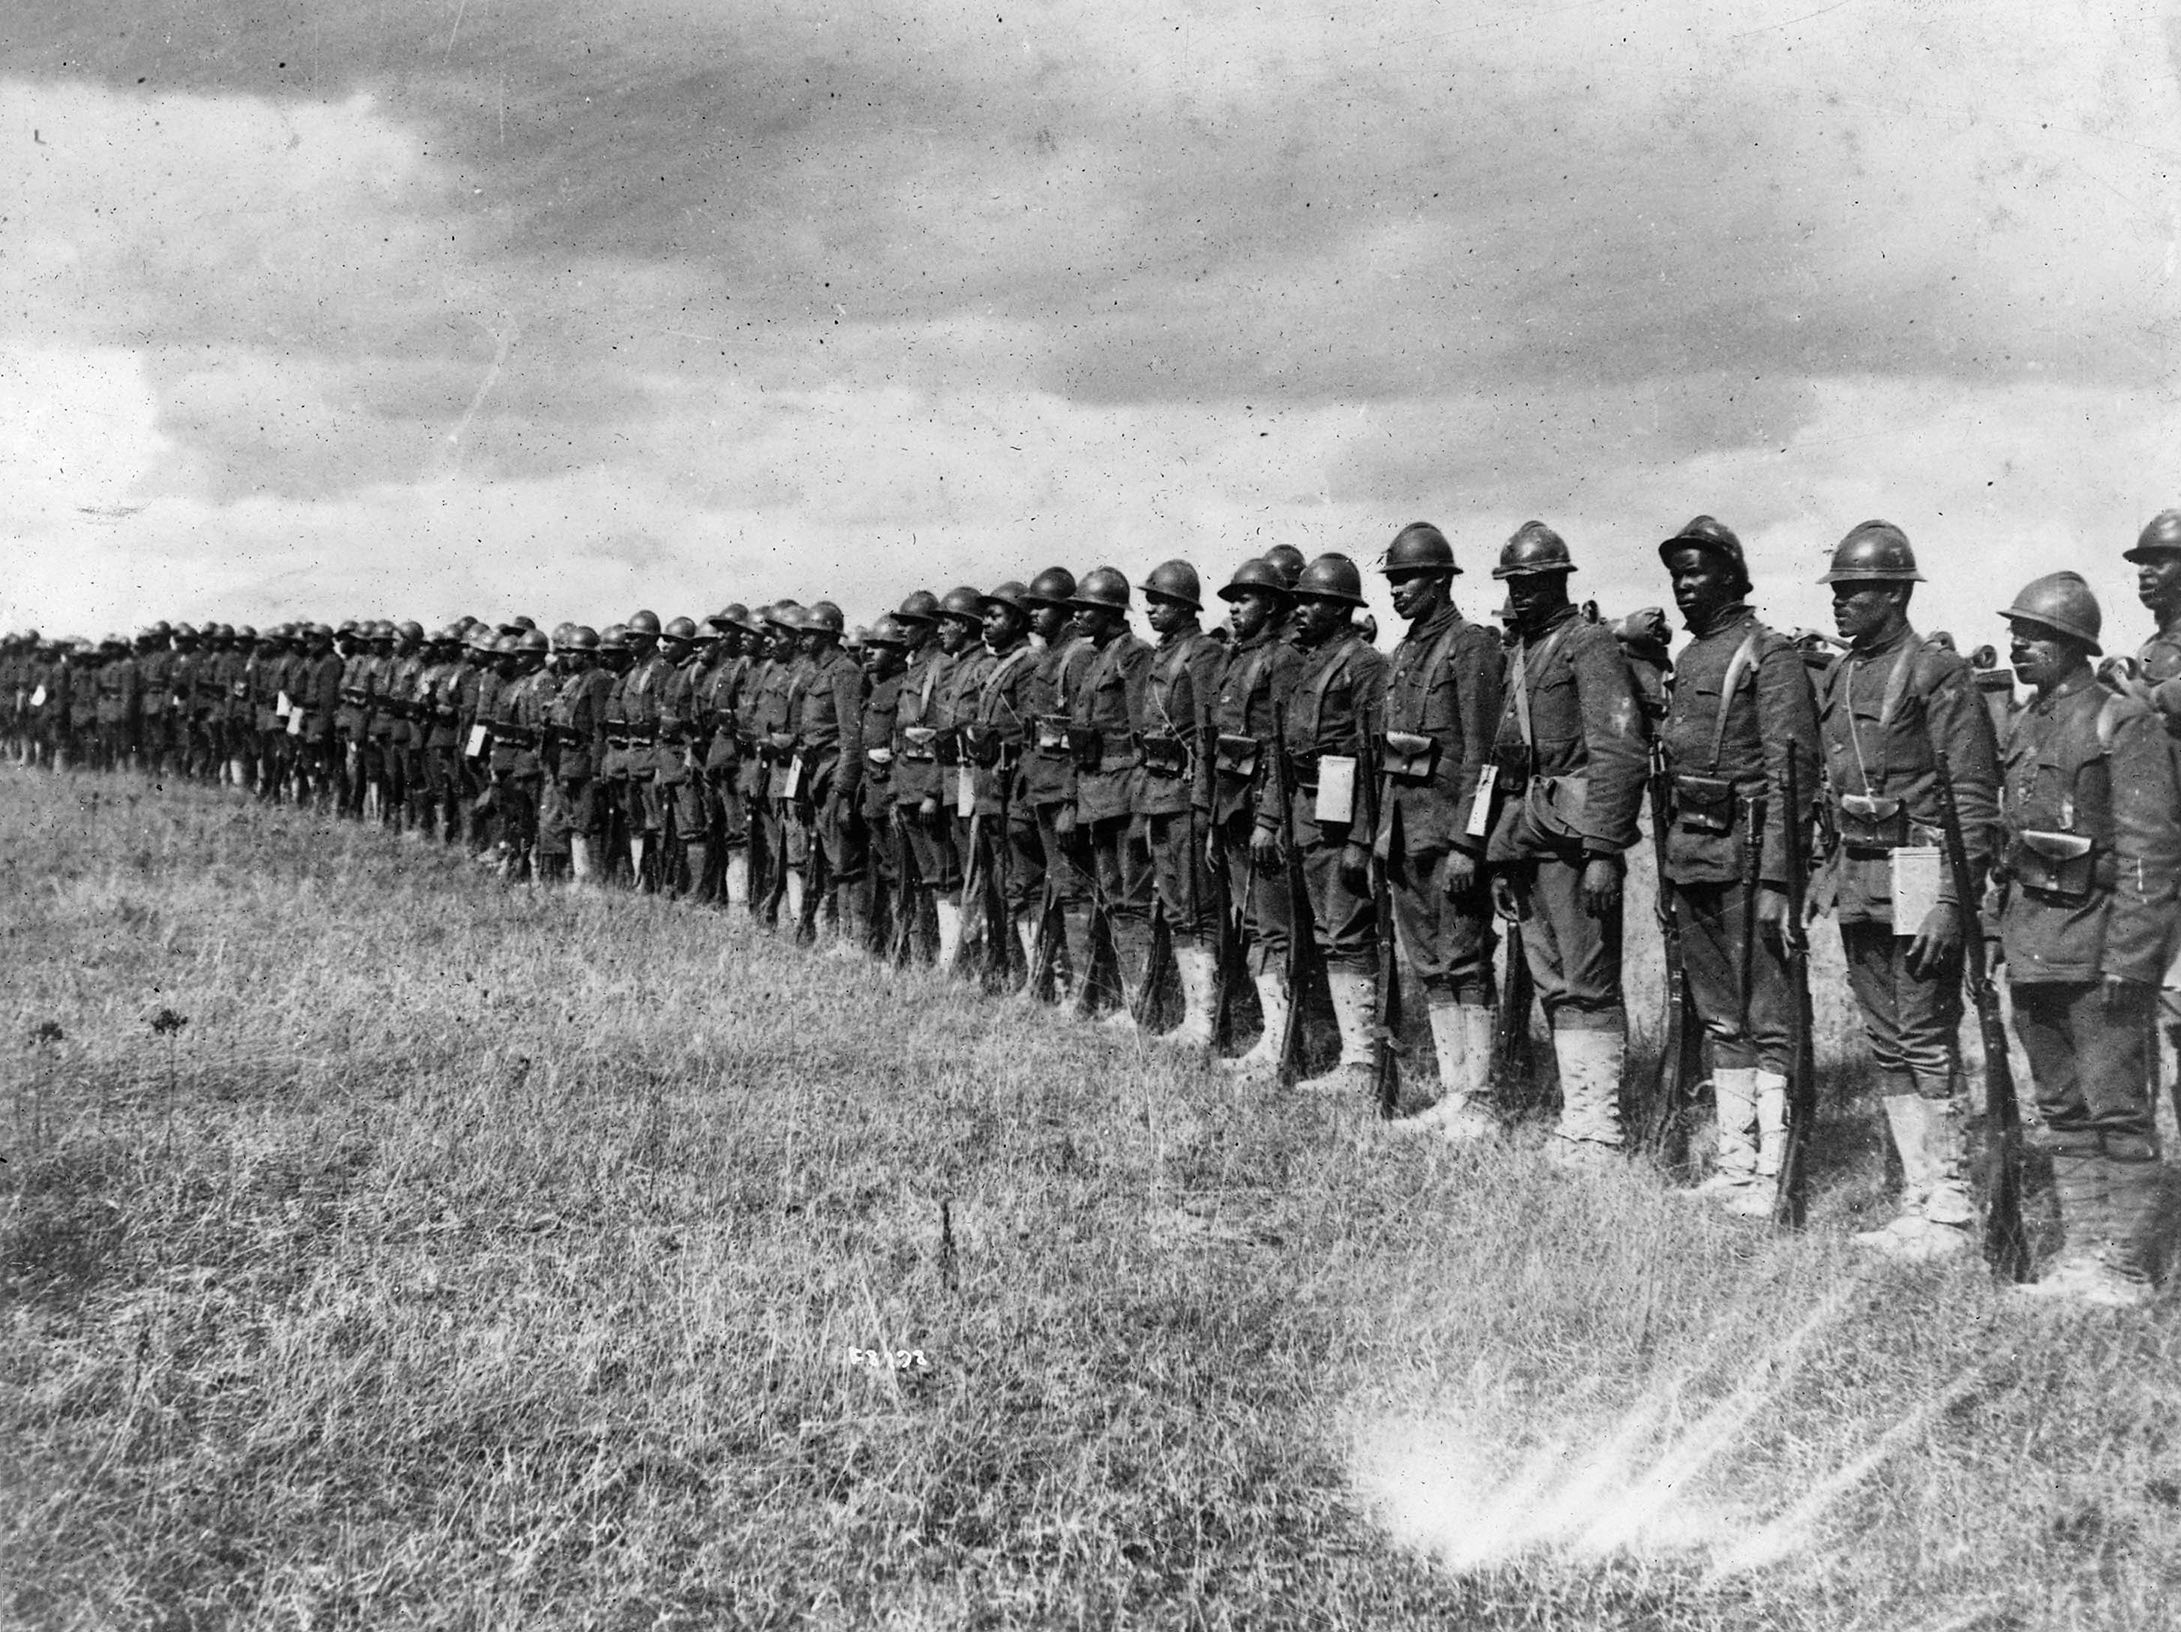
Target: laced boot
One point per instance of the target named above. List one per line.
(1459, 1114)
(1353, 995)
(1590, 1096)
(1734, 1158)
(1262, 1059)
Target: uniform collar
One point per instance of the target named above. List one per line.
(1904, 636)
(1726, 617)
(1438, 623)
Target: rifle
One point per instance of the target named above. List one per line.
(1792, 1197)
(1681, 1045)
(816, 880)
(2006, 1243)
(905, 894)
(1305, 968)
(1386, 1023)
(999, 932)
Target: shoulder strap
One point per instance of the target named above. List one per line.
(1744, 661)
(1521, 682)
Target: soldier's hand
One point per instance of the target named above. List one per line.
(927, 808)
(1355, 865)
(1601, 886)
(1775, 913)
(1461, 874)
(1504, 905)
(1382, 846)
(1265, 847)
(1938, 938)
(1064, 823)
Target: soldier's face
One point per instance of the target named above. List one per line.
(1414, 594)
(1702, 584)
(1319, 619)
(1003, 626)
(1251, 611)
(1861, 611)
(882, 662)
(955, 634)
(1165, 614)
(1050, 622)
(2040, 655)
(1535, 596)
(2158, 580)
(1099, 623)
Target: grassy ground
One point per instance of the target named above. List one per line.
(456, 1256)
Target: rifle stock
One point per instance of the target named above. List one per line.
(1681, 1044)
(1386, 1022)
(1302, 939)
(2006, 1243)
(1790, 1199)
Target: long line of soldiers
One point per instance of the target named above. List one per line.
(1169, 834)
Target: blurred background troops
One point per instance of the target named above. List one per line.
(576, 722)
(352, 723)
(1044, 879)
(383, 763)
(518, 770)
(155, 667)
(954, 705)
(83, 668)
(677, 774)
(1886, 707)
(885, 655)
(1443, 693)
(719, 752)
(926, 832)
(1327, 720)
(1742, 712)
(228, 720)
(1258, 669)
(438, 725)
(1573, 751)
(1173, 789)
(827, 774)
(376, 671)
(2154, 677)
(992, 739)
(259, 726)
(181, 698)
(1105, 715)
(119, 704)
(2091, 864)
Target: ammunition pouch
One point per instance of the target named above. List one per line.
(947, 746)
(1303, 770)
(1088, 744)
(1409, 756)
(1237, 757)
(1163, 756)
(1512, 760)
(2068, 867)
(641, 733)
(1704, 804)
(917, 744)
(1049, 734)
(520, 737)
(878, 758)
(984, 745)
(1867, 821)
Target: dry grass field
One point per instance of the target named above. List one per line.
(382, 1247)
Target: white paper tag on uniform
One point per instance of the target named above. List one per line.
(795, 777)
(37, 698)
(478, 735)
(1915, 885)
(282, 708)
(1336, 788)
(1480, 808)
(295, 722)
(965, 789)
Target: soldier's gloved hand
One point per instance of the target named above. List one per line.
(1601, 886)
(1938, 938)
(1461, 874)
(1504, 906)
(1265, 847)
(1355, 865)
(2121, 994)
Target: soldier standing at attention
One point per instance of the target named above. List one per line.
(885, 651)
(992, 740)
(2155, 678)
(828, 731)
(773, 718)
(1173, 792)
(954, 705)
(1742, 712)
(1573, 750)
(1044, 872)
(2092, 861)
(719, 704)
(155, 665)
(1336, 706)
(577, 720)
(317, 754)
(1258, 671)
(641, 689)
(1884, 706)
(917, 772)
(477, 700)
(1104, 719)
(677, 773)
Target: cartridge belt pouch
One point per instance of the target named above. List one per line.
(2065, 866)
(1303, 768)
(1512, 761)
(917, 744)
(984, 745)
(947, 746)
(1163, 756)
(1237, 757)
(878, 758)
(1050, 736)
(1088, 744)
(1409, 756)
(1703, 804)
(1868, 821)
(641, 733)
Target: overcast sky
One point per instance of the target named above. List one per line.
(416, 307)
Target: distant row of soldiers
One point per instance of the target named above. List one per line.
(1207, 832)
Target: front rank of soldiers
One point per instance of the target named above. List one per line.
(1167, 834)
